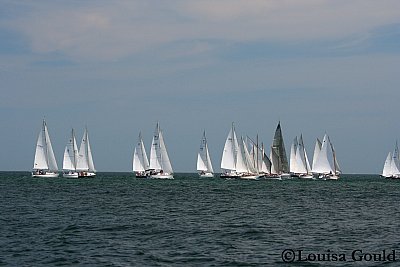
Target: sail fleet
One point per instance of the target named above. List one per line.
(76, 163)
(242, 158)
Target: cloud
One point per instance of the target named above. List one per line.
(111, 30)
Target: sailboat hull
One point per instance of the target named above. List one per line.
(229, 175)
(70, 175)
(250, 177)
(272, 177)
(306, 177)
(162, 176)
(45, 174)
(206, 175)
(142, 174)
(86, 174)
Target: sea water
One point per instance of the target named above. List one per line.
(118, 220)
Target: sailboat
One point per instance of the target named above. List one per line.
(160, 165)
(229, 155)
(85, 165)
(302, 162)
(204, 166)
(140, 163)
(236, 162)
(251, 170)
(391, 168)
(70, 158)
(322, 167)
(387, 167)
(317, 149)
(292, 163)
(280, 162)
(259, 159)
(45, 164)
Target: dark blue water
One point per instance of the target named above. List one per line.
(117, 220)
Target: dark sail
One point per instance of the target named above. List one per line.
(279, 147)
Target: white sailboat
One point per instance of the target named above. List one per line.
(230, 155)
(302, 162)
(317, 149)
(85, 165)
(259, 159)
(292, 163)
(323, 168)
(274, 166)
(235, 162)
(250, 170)
(160, 165)
(266, 164)
(387, 167)
(70, 158)
(391, 168)
(140, 163)
(45, 164)
(204, 166)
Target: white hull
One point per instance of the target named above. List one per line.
(86, 174)
(70, 175)
(162, 176)
(250, 177)
(206, 175)
(45, 175)
(332, 177)
(306, 177)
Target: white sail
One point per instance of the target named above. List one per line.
(301, 158)
(293, 149)
(317, 149)
(248, 162)
(165, 162)
(322, 164)
(300, 163)
(40, 161)
(335, 161)
(85, 159)
(159, 159)
(387, 167)
(395, 164)
(203, 157)
(44, 154)
(140, 162)
(70, 154)
(155, 163)
(230, 152)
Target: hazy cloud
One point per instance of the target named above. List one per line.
(110, 30)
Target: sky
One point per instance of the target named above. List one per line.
(118, 67)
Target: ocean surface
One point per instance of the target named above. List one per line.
(118, 220)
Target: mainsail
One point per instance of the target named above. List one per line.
(279, 147)
(44, 154)
(159, 159)
(70, 154)
(317, 149)
(140, 162)
(322, 164)
(203, 157)
(85, 159)
(229, 155)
